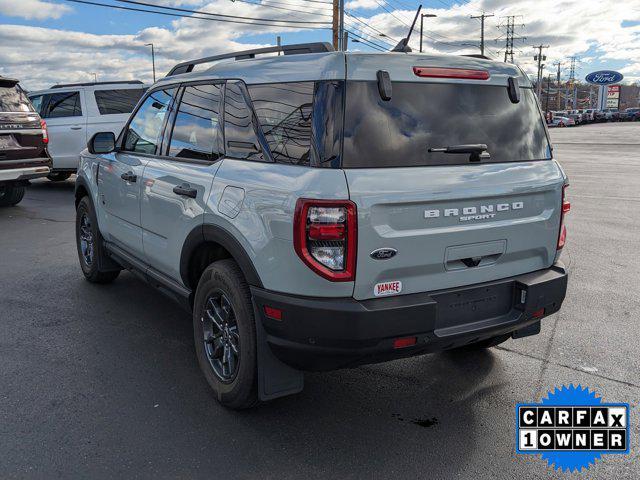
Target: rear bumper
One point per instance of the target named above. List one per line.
(22, 170)
(331, 333)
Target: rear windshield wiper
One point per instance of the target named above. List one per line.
(477, 151)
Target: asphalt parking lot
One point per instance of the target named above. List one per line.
(102, 382)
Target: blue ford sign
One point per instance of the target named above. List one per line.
(604, 77)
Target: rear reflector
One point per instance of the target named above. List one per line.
(438, 72)
(273, 313)
(404, 342)
(538, 313)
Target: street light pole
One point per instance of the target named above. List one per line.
(422, 25)
(153, 60)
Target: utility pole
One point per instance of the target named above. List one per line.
(345, 41)
(335, 27)
(341, 29)
(481, 17)
(558, 96)
(511, 36)
(540, 58)
(279, 42)
(153, 60)
(572, 83)
(428, 15)
(546, 104)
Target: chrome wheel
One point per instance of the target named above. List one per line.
(86, 240)
(221, 336)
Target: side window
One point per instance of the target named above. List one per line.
(37, 103)
(144, 130)
(196, 128)
(239, 131)
(61, 105)
(284, 113)
(112, 102)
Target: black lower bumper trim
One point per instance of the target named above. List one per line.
(330, 333)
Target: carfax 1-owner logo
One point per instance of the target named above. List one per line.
(572, 428)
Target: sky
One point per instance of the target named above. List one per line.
(44, 42)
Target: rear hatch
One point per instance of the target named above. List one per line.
(433, 220)
(21, 133)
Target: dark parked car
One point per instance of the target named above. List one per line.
(23, 143)
(632, 114)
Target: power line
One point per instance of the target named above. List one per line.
(266, 5)
(356, 29)
(367, 42)
(391, 13)
(349, 14)
(132, 9)
(176, 9)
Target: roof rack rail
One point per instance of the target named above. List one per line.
(295, 49)
(90, 84)
(477, 55)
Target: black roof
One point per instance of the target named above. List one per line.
(91, 84)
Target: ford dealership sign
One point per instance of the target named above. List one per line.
(604, 77)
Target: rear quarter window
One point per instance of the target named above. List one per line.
(284, 111)
(113, 102)
(419, 116)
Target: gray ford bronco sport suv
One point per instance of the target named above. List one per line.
(319, 210)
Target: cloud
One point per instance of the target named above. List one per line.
(33, 9)
(362, 4)
(44, 56)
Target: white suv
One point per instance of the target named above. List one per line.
(74, 112)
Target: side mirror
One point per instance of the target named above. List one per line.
(102, 142)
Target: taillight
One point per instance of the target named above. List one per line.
(439, 72)
(325, 237)
(45, 132)
(566, 207)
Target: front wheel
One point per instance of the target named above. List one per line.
(11, 195)
(91, 252)
(225, 334)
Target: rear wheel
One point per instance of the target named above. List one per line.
(10, 195)
(91, 251)
(225, 334)
(58, 176)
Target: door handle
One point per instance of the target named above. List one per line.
(77, 127)
(185, 190)
(129, 177)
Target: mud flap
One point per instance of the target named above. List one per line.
(275, 379)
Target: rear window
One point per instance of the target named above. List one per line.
(13, 99)
(419, 116)
(112, 102)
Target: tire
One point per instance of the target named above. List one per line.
(91, 252)
(484, 344)
(58, 176)
(11, 195)
(225, 335)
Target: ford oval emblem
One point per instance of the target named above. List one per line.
(604, 77)
(383, 253)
